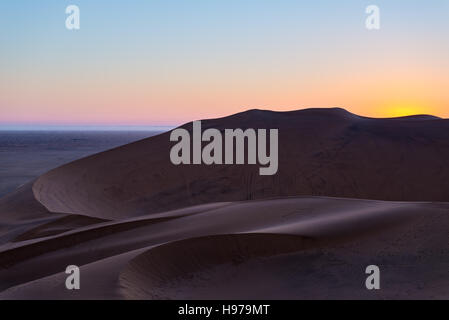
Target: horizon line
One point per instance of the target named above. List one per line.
(83, 127)
(29, 126)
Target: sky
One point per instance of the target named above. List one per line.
(167, 62)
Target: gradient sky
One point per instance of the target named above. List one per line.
(165, 62)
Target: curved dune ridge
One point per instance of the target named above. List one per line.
(301, 248)
(350, 192)
(188, 269)
(322, 152)
(311, 217)
(274, 266)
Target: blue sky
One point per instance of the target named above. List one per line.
(167, 62)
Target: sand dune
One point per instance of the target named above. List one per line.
(330, 238)
(160, 272)
(21, 205)
(141, 228)
(321, 152)
(272, 266)
(61, 225)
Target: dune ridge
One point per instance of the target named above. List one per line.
(321, 153)
(351, 191)
(391, 232)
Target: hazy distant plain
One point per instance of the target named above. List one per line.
(24, 155)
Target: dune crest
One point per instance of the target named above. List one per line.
(322, 152)
(156, 273)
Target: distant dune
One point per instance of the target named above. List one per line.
(350, 191)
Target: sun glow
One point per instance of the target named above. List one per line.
(403, 109)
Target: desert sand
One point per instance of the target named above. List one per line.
(350, 192)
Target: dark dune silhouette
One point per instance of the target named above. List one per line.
(322, 152)
(350, 191)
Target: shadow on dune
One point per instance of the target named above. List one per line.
(322, 152)
(140, 227)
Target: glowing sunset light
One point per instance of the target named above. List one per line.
(167, 63)
(405, 109)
